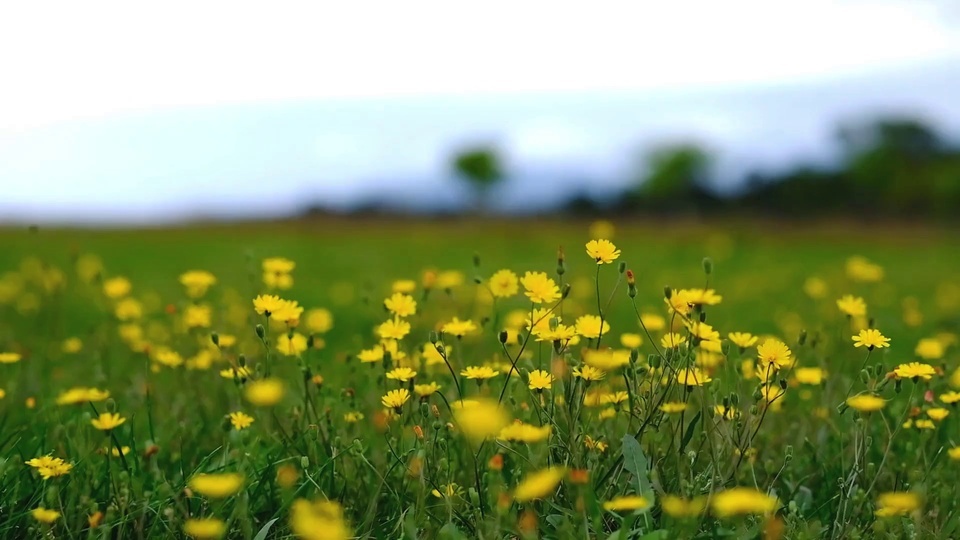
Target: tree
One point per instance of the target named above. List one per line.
(481, 168)
(674, 178)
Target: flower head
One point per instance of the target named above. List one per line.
(479, 372)
(744, 340)
(45, 515)
(539, 288)
(196, 282)
(107, 421)
(589, 326)
(525, 433)
(603, 251)
(393, 329)
(204, 528)
(897, 504)
(589, 373)
(240, 420)
(50, 467)
(915, 371)
(742, 500)
(626, 503)
(776, 352)
(871, 338)
(539, 485)
(81, 394)
(426, 390)
(402, 374)
(852, 306)
(401, 305)
(480, 419)
(459, 328)
(540, 380)
(216, 486)
(692, 377)
(265, 392)
(504, 284)
(395, 399)
(866, 402)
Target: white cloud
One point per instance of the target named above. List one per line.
(89, 59)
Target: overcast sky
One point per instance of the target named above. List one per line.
(118, 111)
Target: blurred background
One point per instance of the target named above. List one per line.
(124, 114)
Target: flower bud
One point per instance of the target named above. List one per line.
(622, 267)
(260, 331)
(566, 291)
(667, 292)
(215, 338)
(707, 265)
(434, 337)
(476, 260)
(242, 360)
(503, 336)
(802, 338)
(304, 462)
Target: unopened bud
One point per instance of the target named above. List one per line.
(667, 292)
(242, 360)
(476, 260)
(566, 291)
(622, 267)
(215, 338)
(304, 462)
(434, 337)
(260, 331)
(503, 336)
(707, 265)
(803, 337)
(418, 431)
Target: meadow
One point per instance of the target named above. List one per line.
(348, 378)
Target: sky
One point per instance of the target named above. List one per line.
(124, 112)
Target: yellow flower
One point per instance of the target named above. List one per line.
(589, 373)
(216, 486)
(815, 287)
(240, 420)
(405, 286)
(744, 340)
(424, 390)
(742, 500)
(700, 297)
(49, 467)
(504, 284)
(449, 279)
(692, 377)
(401, 305)
(266, 304)
(374, 354)
(930, 349)
(539, 485)
(589, 326)
(860, 269)
(653, 322)
(459, 328)
(319, 320)
(265, 392)
(954, 453)
(614, 398)
(539, 288)
(80, 394)
(480, 419)
(626, 503)
(479, 372)
(540, 380)
(321, 520)
(9, 357)
(678, 507)
(703, 331)
(809, 375)
(239, 372)
(727, 413)
(128, 309)
(44, 515)
(897, 504)
(287, 311)
(393, 329)
(950, 397)
(603, 251)
(117, 287)
(679, 302)
(115, 452)
(871, 338)
(923, 424)
(526, 433)
(292, 345)
(597, 445)
(402, 374)
(915, 371)
(631, 340)
(852, 306)
(937, 413)
(107, 421)
(395, 398)
(204, 528)
(197, 316)
(353, 417)
(196, 282)
(776, 352)
(672, 407)
(72, 345)
(671, 340)
(866, 402)
(278, 265)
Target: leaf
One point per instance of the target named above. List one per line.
(636, 463)
(659, 534)
(265, 530)
(450, 532)
(687, 435)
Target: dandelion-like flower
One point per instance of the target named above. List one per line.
(539, 485)
(742, 501)
(679, 507)
(504, 284)
(525, 433)
(107, 421)
(692, 377)
(196, 282)
(459, 328)
(871, 338)
(401, 305)
(744, 340)
(395, 399)
(217, 486)
(402, 374)
(204, 528)
(426, 390)
(852, 306)
(240, 420)
(603, 251)
(45, 515)
(479, 372)
(866, 402)
(539, 288)
(589, 326)
(540, 380)
(49, 466)
(915, 371)
(626, 503)
(897, 504)
(589, 373)
(393, 329)
(265, 392)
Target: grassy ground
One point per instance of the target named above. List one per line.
(347, 266)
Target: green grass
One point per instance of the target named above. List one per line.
(348, 266)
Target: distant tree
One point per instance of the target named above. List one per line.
(481, 168)
(674, 178)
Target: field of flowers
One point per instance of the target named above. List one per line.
(352, 379)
